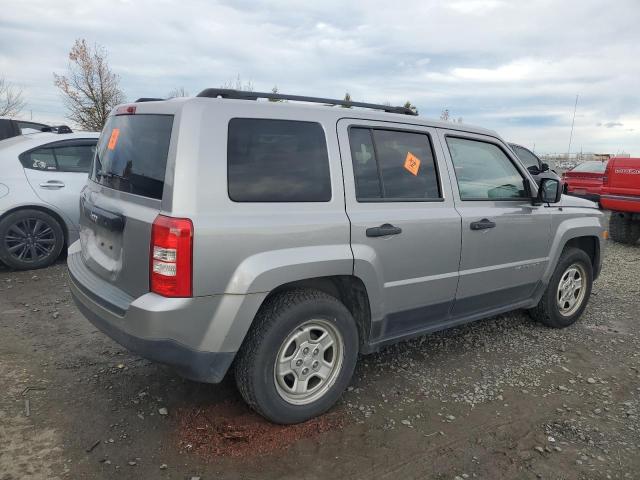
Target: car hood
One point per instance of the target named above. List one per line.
(570, 201)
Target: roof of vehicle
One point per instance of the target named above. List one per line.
(326, 111)
(31, 140)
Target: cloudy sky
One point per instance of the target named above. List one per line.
(513, 66)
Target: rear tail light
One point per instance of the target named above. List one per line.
(171, 265)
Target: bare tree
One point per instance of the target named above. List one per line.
(411, 107)
(178, 92)
(90, 89)
(444, 116)
(238, 85)
(11, 102)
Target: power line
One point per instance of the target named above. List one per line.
(573, 121)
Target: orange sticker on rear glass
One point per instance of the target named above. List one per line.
(412, 163)
(113, 139)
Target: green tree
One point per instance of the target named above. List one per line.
(347, 98)
(411, 107)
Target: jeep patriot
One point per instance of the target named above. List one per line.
(281, 240)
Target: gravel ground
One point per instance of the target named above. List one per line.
(500, 398)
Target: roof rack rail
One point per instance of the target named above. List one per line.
(149, 99)
(242, 95)
(57, 129)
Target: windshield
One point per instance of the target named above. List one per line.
(593, 167)
(132, 154)
(527, 158)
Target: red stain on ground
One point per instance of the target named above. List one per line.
(232, 430)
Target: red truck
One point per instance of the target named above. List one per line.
(621, 194)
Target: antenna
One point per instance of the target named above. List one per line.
(573, 121)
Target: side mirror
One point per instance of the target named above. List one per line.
(544, 167)
(550, 191)
(533, 170)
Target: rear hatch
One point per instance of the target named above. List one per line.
(123, 197)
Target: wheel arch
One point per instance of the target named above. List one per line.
(348, 289)
(584, 233)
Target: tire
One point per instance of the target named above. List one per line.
(30, 239)
(623, 229)
(548, 311)
(283, 329)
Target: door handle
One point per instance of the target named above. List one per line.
(52, 184)
(482, 224)
(383, 230)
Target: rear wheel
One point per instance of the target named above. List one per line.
(298, 357)
(623, 228)
(568, 291)
(30, 239)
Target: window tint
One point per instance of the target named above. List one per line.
(391, 164)
(39, 159)
(277, 161)
(76, 158)
(132, 154)
(483, 171)
(527, 158)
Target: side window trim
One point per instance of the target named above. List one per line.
(408, 129)
(504, 151)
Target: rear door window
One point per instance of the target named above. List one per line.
(393, 165)
(277, 161)
(39, 159)
(132, 154)
(74, 158)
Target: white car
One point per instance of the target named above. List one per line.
(41, 175)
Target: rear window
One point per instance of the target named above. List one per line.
(132, 154)
(277, 161)
(591, 167)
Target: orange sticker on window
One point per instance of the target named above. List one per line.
(412, 163)
(113, 139)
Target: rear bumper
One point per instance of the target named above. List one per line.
(209, 367)
(172, 331)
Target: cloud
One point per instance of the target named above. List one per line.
(613, 124)
(514, 66)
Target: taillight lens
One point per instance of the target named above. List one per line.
(126, 110)
(171, 266)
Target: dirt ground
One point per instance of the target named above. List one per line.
(501, 398)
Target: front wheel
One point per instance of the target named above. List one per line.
(298, 357)
(568, 291)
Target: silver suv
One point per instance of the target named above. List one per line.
(284, 239)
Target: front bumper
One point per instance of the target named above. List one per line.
(171, 331)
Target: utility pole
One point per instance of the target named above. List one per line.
(573, 121)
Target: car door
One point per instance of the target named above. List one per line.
(505, 238)
(58, 171)
(405, 231)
